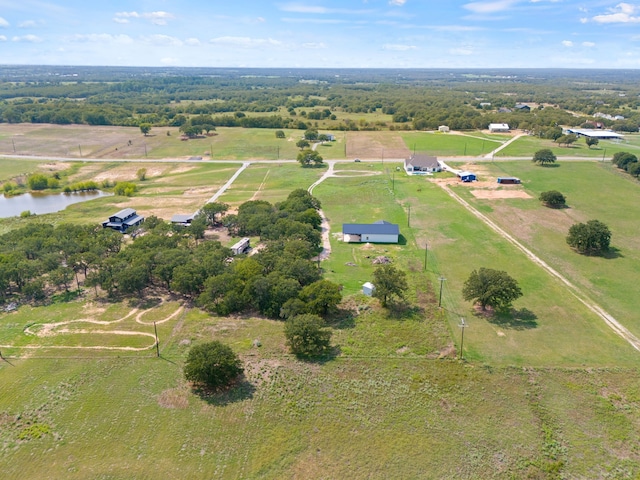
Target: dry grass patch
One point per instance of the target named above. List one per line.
(373, 144)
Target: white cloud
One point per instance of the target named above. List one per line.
(27, 38)
(588, 44)
(397, 3)
(461, 51)
(454, 28)
(192, 41)
(164, 40)
(301, 8)
(314, 46)
(621, 13)
(27, 24)
(3, 38)
(245, 42)
(3, 22)
(169, 61)
(489, 7)
(319, 21)
(157, 18)
(102, 38)
(567, 43)
(398, 48)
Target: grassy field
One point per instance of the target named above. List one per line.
(524, 146)
(548, 393)
(447, 144)
(458, 243)
(594, 191)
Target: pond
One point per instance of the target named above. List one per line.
(41, 203)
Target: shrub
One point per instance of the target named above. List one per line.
(553, 199)
(213, 365)
(306, 335)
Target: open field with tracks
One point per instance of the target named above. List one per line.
(548, 392)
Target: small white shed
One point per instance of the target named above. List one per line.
(443, 128)
(368, 289)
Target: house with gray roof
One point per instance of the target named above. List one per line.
(420, 164)
(378, 232)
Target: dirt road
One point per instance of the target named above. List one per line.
(616, 326)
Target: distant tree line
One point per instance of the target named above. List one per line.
(415, 100)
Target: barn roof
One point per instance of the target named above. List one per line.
(380, 227)
(124, 213)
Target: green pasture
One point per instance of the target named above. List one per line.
(542, 331)
(526, 146)
(523, 405)
(447, 144)
(272, 182)
(594, 191)
(10, 168)
(379, 415)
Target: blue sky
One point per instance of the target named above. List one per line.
(322, 33)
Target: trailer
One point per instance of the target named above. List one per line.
(508, 180)
(241, 246)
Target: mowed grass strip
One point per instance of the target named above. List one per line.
(544, 329)
(594, 191)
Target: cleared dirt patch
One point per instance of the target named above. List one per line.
(497, 194)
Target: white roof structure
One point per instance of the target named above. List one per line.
(591, 133)
(498, 126)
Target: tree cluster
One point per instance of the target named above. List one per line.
(591, 238)
(628, 162)
(280, 281)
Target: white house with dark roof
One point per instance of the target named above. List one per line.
(123, 220)
(421, 164)
(378, 232)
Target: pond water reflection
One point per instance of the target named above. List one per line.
(40, 203)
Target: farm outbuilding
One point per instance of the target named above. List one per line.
(378, 232)
(498, 127)
(467, 176)
(443, 128)
(182, 219)
(368, 288)
(591, 133)
(508, 180)
(123, 220)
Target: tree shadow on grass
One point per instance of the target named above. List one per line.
(342, 319)
(404, 311)
(522, 319)
(612, 253)
(327, 357)
(238, 392)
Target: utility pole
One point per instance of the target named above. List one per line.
(80, 148)
(603, 154)
(442, 279)
(409, 216)
(426, 253)
(14, 145)
(278, 154)
(155, 328)
(462, 326)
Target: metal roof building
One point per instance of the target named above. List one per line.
(378, 232)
